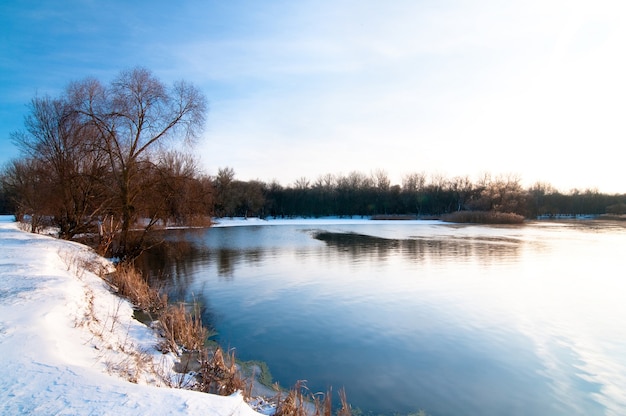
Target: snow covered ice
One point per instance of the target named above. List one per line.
(68, 346)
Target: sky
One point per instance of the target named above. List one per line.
(533, 88)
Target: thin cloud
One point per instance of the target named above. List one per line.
(314, 87)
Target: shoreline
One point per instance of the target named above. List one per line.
(69, 344)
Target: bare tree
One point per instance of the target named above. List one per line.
(180, 195)
(302, 183)
(381, 180)
(26, 184)
(326, 181)
(249, 197)
(502, 194)
(64, 151)
(462, 188)
(224, 198)
(133, 116)
(414, 182)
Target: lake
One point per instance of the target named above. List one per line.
(407, 315)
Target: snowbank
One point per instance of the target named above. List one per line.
(70, 346)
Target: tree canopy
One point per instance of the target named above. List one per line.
(101, 155)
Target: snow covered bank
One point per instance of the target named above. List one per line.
(69, 346)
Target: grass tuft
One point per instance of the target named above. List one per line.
(130, 283)
(219, 375)
(181, 328)
(300, 402)
(294, 403)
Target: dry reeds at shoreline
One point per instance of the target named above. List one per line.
(219, 375)
(483, 217)
(299, 401)
(128, 282)
(182, 331)
(181, 328)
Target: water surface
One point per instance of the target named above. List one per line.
(452, 319)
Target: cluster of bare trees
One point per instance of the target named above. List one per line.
(419, 194)
(102, 159)
(361, 194)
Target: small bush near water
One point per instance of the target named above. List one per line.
(483, 217)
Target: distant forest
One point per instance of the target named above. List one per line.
(420, 195)
(178, 193)
(105, 160)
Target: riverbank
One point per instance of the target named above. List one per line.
(70, 346)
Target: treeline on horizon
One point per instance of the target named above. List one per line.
(105, 160)
(179, 193)
(419, 195)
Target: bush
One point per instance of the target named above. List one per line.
(483, 217)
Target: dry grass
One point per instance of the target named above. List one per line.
(300, 402)
(131, 365)
(130, 283)
(346, 409)
(483, 217)
(181, 328)
(219, 375)
(294, 403)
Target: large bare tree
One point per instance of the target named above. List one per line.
(135, 116)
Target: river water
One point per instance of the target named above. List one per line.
(408, 315)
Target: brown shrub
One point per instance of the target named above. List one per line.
(218, 375)
(181, 328)
(483, 217)
(129, 282)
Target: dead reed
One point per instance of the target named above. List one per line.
(130, 283)
(294, 403)
(219, 375)
(181, 328)
(300, 402)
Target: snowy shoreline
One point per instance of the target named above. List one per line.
(71, 346)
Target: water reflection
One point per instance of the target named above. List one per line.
(418, 249)
(479, 320)
(184, 253)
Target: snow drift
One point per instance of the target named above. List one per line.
(70, 346)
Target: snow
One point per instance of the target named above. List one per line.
(70, 346)
(241, 221)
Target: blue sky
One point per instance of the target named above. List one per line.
(303, 88)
